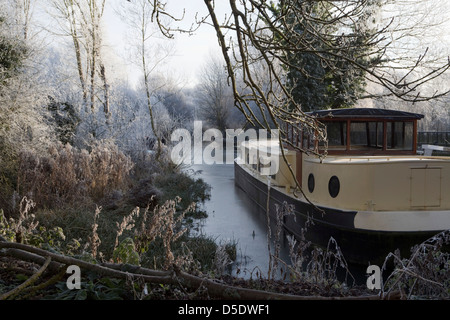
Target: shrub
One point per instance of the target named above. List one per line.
(425, 274)
(68, 175)
(186, 187)
(8, 176)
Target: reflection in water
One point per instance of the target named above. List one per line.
(233, 217)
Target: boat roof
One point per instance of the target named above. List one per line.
(366, 113)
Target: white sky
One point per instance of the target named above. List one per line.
(191, 51)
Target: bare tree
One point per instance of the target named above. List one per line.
(214, 96)
(22, 93)
(260, 36)
(255, 28)
(81, 20)
(150, 52)
(22, 11)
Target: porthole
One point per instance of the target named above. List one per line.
(334, 186)
(311, 183)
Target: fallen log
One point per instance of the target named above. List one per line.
(174, 277)
(14, 292)
(104, 271)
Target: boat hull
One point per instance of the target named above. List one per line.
(359, 246)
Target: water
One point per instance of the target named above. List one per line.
(233, 217)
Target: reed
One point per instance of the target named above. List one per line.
(67, 175)
(307, 263)
(425, 274)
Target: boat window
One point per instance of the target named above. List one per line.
(400, 135)
(334, 186)
(308, 141)
(358, 135)
(336, 135)
(376, 135)
(311, 183)
(366, 135)
(255, 163)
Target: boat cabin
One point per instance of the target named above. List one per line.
(362, 131)
(372, 157)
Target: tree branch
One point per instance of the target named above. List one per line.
(175, 277)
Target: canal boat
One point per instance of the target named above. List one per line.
(369, 189)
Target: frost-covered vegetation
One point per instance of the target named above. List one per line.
(81, 169)
(85, 172)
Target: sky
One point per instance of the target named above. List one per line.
(191, 52)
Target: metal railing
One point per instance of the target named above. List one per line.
(435, 138)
